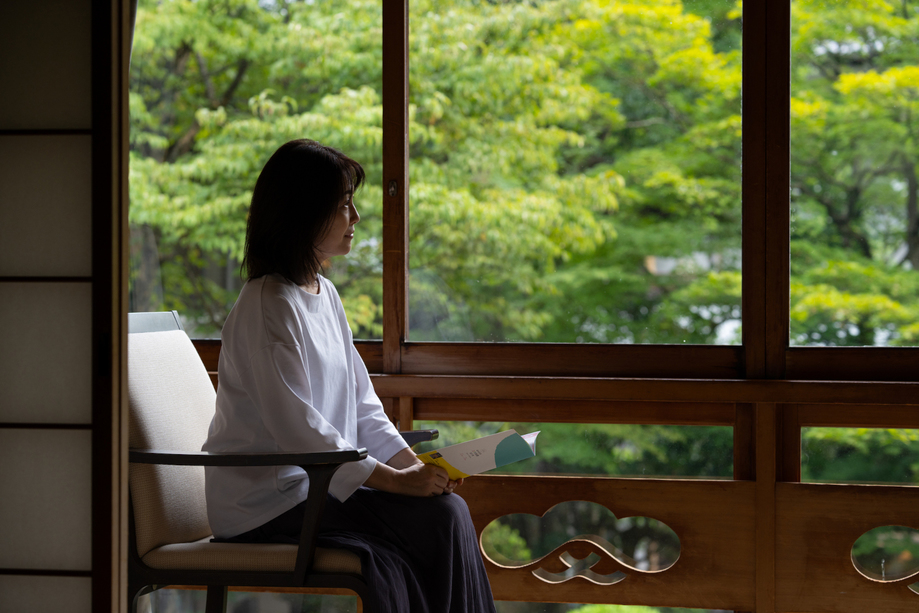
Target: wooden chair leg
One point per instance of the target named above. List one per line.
(216, 599)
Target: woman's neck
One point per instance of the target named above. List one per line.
(312, 286)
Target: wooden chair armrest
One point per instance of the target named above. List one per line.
(271, 458)
(413, 437)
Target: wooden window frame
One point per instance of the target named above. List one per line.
(764, 389)
(764, 352)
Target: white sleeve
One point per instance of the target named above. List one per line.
(374, 429)
(280, 374)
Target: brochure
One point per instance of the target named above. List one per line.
(473, 457)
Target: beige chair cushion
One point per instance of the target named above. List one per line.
(204, 555)
(172, 401)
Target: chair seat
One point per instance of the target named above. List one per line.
(266, 557)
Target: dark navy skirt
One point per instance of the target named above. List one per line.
(418, 555)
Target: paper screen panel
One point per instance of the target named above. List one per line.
(46, 504)
(45, 594)
(46, 356)
(45, 64)
(46, 217)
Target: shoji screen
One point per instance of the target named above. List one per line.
(60, 370)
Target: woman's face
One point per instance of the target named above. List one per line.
(337, 240)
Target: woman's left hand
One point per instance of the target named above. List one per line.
(407, 457)
(452, 485)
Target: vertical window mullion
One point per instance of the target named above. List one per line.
(754, 189)
(777, 143)
(395, 182)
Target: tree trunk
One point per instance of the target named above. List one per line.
(912, 214)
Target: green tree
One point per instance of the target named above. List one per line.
(855, 92)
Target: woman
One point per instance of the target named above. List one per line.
(291, 380)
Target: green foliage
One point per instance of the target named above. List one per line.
(503, 543)
(867, 455)
(560, 153)
(855, 243)
(606, 449)
(615, 608)
(525, 120)
(887, 553)
(622, 608)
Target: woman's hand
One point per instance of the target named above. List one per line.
(421, 480)
(452, 485)
(405, 474)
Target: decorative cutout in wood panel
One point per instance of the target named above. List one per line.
(820, 532)
(581, 539)
(889, 554)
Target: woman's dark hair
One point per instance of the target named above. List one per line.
(296, 195)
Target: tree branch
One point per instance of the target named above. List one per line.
(208, 82)
(242, 66)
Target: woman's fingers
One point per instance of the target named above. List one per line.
(428, 480)
(441, 479)
(424, 480)
(414, 480)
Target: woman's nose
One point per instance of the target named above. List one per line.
(355, 215)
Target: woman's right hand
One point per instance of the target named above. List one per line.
(414, 480)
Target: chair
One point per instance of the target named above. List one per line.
(171, 401)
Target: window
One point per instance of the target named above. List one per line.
(854, 228)
(575, 172)
(580, 245)
(215, 88)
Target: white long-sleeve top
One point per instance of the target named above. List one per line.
(290, 380)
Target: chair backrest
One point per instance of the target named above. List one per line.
(172, 402)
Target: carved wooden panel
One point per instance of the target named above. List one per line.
(714, 521)
(816, 526)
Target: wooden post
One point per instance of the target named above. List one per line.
(406, 413)
(777, 101)
(753, 190)
(744, 443)
(765, 507)
(395, 182)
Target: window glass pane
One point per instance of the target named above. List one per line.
(854, 186)
(575, 171)
(859, 455)
(620, 450)
(216, 88)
